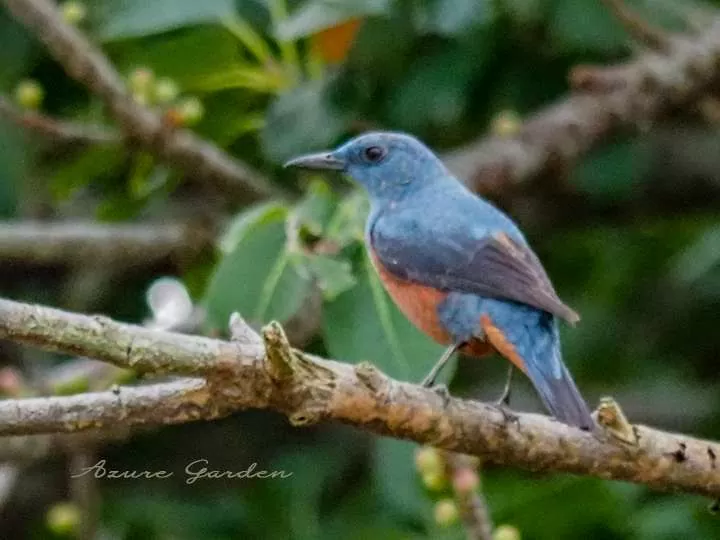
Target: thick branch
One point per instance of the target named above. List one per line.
(89, 66)
(57, 131)
(310, 389)
(166, 403)
(607, 101)
(64, 242)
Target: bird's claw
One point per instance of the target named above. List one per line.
(503, 401)
(508, 415)
(442, 391)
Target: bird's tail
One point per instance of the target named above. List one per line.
(536, 350)
(562, 398)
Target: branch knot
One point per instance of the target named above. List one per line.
(307, 385)
(611, 417)
(370, 376)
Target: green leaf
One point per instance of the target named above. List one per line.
(146, 177)
(375, 60)
(613, 173)
(525, 11)
(316, 208)
(698, 260)
(244, 223)
(526, 500)
(95, 163)
(16, 50)
(12, 161)
(397, 480)
(317, 15)
(230, 115)
(452, 17)
(348, 223)
(268, 81)
(587, 25)
(254, 275)
(120, 19)
(193, 58)
(669, 519)
(334, 276)
(363, 324)
(313, 253)
(119, 206)
(320, 468)
(437, 84)
(301, 120)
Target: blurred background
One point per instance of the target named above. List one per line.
(630, 234)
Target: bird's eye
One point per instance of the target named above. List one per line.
(374, 154)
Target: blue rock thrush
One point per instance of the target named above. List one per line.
(456, 266)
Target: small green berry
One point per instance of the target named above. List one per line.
(73, 12)
(63, 518)
(29, 94)
(446, 512)
(74, 385)
(428, 460)
(506, 532)
(141, 81)
(190, 111)
(506, 123)
(166, 90)
(435, 481)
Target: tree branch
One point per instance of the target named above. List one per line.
(64, 242)
(163, 403)
(638, 28)
(471, 502)
(177, 147)
(244, 374)
(57, 131)
(606, 101)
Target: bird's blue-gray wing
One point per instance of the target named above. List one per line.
(493, 265)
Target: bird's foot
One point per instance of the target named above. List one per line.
(503, 400)
(509, 416)
(429, 381)
(442, 391)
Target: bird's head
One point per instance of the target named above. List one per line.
(388, 165)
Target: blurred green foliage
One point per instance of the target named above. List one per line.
(641, 265)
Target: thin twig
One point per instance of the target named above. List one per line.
(58, 131)
(310, 389)
(638, 28)
(472, 505)
(177, 147)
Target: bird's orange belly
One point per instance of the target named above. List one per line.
(419, 304)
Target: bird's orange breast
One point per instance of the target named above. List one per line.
(418, 302)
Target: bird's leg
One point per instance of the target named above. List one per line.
(503, 403)
(504, 398)
(429, 380)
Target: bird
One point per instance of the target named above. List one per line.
(458, 268)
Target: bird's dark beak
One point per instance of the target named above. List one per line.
(323, 160)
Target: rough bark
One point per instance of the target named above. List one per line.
(246, 373)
